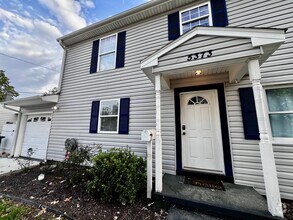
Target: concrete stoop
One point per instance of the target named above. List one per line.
(237, 202)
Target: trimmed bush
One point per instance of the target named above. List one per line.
(117, 176)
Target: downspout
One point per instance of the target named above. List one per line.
(16, 129)
(62, 66)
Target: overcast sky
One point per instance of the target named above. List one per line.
(28, 31)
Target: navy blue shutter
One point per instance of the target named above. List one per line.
(94, 117)
(251, 131)
(95, 56)
(124, 116)
(120, 55)
(173, 26)
(219, 13)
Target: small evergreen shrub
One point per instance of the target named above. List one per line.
(117, 176)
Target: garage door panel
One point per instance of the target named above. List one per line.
(36, 136)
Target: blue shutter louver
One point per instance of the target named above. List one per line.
(124, 116)
(173, 26)
(95, 56)
(250, 125)
(94, 117)
(219, 13)
(120, 55)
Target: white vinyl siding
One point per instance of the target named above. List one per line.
(6, 116)
(79, 89)
(275, 71)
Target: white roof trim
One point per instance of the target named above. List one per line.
(258, 37)
(33, 101)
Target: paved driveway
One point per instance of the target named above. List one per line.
(11, 164)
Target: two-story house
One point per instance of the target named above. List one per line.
(213, 77)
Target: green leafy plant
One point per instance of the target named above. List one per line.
(117, 176)
(77, 158)
(10, 211)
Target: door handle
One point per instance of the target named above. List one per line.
(183, 133)
(183, 127)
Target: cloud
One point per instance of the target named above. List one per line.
(15, 19)
(68, 12)
(32, 39)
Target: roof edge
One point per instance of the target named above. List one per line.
(258, 36)
(128, 12)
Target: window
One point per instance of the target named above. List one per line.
(197, 16)
(197, 100)
(107, 54)
(280, 105)
(109, 116)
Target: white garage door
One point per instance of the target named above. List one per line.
(36, 136)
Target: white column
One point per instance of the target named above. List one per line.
(20, 136)
(159, 178)
(149, 169)
(266, 147)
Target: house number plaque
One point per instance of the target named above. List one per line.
(200, 55)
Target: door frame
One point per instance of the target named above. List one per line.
(224, 127)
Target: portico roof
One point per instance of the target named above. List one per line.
(208, 48)
(33, 101)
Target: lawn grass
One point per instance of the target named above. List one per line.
(10, 211)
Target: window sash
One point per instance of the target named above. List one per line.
(107, 53)
(209, 16)
(108, 116)
(277, 131)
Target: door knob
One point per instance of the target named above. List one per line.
(183, 133)
(183, 127)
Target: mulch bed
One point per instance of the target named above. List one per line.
(56, 192)
(288, 209)
(204, 182)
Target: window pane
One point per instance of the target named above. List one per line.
(185, 16)
(280, 99)
(194, 24)
(203, 10)
(194, 13)
(204, 22)
(108, 44)
(186, 27)
(282, 125)
(107, 61)
(109, 108)
(109, 124)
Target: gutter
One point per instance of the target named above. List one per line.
(16, 129)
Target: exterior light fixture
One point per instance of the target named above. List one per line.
(198, 72)
(56, 107)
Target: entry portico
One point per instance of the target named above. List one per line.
(212, 51)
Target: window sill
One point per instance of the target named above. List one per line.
(283, 142)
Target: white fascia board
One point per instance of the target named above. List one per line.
(50, 98)
(260, 36)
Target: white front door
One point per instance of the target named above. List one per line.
(36, 136)
(202, 148)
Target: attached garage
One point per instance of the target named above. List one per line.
(33, 126)
(36, 136)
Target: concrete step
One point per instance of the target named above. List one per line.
(238, 202)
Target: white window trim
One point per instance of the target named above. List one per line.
(99, 54)
(118, 116)
(276, 140)
(196, 6)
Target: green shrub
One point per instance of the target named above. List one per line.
(10, 211)
(117, 176)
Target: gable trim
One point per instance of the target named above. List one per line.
(258, 37)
